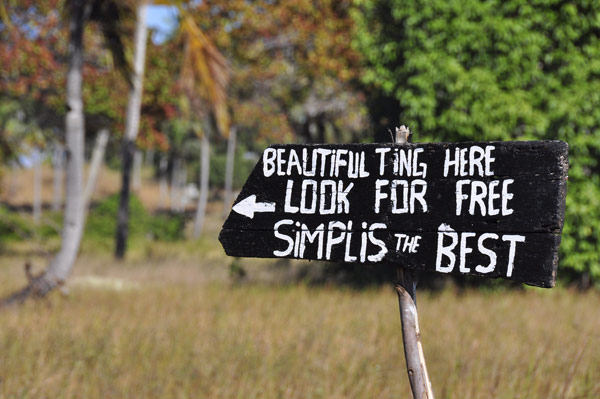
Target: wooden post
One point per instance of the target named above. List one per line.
(413, 349)
(407, 301)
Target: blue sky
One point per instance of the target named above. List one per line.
(162, 19)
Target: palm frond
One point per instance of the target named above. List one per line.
(205, 72)
(4, 15)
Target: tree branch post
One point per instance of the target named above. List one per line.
(413, 349)
(406, 288)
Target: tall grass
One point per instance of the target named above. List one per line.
(152, 337)
(168, 324)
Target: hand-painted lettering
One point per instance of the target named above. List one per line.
(446, 250)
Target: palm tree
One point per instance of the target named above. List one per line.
(110, 15)
(204, 77)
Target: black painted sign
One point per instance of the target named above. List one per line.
(493, 209)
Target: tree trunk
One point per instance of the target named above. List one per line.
(95, 166)
(181, 183)
(162, 177)
(174, 182)
(149, 159)
(61, 265)
(137, 170)
(131, 129)
(231, 142)
(203, 197)
(58, 161)
(37, 187)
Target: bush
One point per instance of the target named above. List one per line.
(167, 227)
(13, 227)
(102, 222)
(498, 70)
(102, 219)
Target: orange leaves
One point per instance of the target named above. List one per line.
(30, 56)
(286, 53)
(262, 117)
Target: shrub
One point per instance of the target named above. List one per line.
(167, 227)
(102, 222)
(13, 227)
(498, 70)
(102, 219)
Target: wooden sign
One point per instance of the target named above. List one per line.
(493, 209)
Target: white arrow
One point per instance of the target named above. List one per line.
(248, 206)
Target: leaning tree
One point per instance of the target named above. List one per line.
(110, 15)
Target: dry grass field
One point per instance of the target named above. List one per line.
(170, 323)
(176, 328)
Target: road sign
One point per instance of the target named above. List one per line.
(493, 209)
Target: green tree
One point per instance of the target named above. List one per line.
(498, 70)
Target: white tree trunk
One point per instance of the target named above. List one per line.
(58, 171)
(37, 187)
(203, 197)
(231, 143)
(60, 267)
(95, 166)
(132, 122)
(134, 105)
(162, 178)
(136, 182)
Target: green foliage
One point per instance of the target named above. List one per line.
(50, 227)
(167, 227)
(13, 227)
(102, 219)
(498, 70)
(241, 170)
(101, 224)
